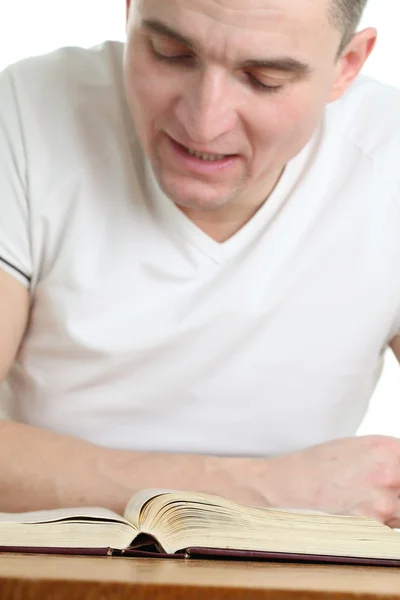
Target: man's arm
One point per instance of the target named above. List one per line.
(14, 313)
(395, 345)
(40, 469)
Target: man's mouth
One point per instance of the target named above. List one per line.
(206, 156)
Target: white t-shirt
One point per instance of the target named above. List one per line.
(147, 334)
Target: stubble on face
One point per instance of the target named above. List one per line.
(185, 200)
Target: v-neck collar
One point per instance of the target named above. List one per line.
(173, 219)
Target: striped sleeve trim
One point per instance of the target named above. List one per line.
(24, 275)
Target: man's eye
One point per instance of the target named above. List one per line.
(170, 58)
(256, 83)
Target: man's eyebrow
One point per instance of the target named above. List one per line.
(284, 64)
(161, 28)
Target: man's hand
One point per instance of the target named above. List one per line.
(355, 476)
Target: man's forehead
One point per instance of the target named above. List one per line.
(232, 10)
(285, 26)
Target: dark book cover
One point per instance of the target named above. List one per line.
(210, 554)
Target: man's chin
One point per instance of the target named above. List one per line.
(200, 206)
(195, 199)
(196, 203)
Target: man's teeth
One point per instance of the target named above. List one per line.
(204, 156)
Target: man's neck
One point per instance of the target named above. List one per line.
(218, 227)
(222, 224)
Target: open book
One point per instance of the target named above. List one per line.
(192, 524)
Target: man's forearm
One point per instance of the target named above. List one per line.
(40, 469)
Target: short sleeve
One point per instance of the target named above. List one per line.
(15, 254)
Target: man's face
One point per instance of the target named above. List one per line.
(243, 81)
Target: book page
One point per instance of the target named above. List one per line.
(63, 514)
(138, 501)
(182, 520)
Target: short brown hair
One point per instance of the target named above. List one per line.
(346, 16)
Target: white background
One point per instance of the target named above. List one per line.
(29, 27)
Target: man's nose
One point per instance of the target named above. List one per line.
(205, 108)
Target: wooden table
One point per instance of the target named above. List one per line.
(24, 577)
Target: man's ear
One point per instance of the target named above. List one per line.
(352, 60)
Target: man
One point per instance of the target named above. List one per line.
(199, 261)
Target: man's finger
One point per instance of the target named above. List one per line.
(394, 522)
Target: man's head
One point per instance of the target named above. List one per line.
(245, 80)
